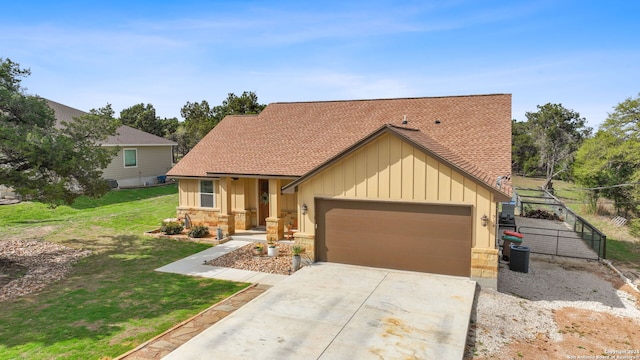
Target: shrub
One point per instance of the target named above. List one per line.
(171, 227)
(198, 231)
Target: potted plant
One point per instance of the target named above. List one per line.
(258, 249)
(295, 260)
(273, 249)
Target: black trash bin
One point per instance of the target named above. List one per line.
(519, 259)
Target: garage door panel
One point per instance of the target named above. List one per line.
(428, 238)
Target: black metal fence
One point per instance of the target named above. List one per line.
(566, 243)
(582, 229)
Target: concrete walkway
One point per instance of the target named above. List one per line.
(194, 265)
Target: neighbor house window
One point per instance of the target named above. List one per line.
(130, 158)
(206, 193)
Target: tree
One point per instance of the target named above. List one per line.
(558, 133)
(185, 143)
(247, 103)
(610, 161)
(600, 165)
(524, 154)
(45, 161)
(200, 118)
(144, 118)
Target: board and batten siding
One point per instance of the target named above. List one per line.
(244, 194)
(389, 168)
(152, 161)
(189, 193)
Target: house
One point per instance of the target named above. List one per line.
(407, 183)
(141, 158)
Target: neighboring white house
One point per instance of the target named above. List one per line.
(142, 157)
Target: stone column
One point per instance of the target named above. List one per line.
(275, 229)
(308, 241)
(226, 219)
(275, 222)
(242, 219)
(484, 267)
(226, 222)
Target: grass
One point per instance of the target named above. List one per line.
(624, 251)
(563, 189)
(112, 300)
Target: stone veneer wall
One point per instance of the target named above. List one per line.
(242, 219)
(227, 223)
(308, 241)
(484, 267)
(253, 217)
(199, 216)
(275, 229)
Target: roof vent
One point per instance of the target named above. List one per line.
(437, 121)
(404, 120)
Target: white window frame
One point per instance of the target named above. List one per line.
(124, 158)
(212, 193)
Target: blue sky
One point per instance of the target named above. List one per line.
(582, 54)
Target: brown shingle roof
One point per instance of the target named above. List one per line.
(452, 158)
(290, 139)
(126, 135)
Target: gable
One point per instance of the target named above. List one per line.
(389, 168)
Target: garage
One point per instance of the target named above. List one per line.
(396, 235)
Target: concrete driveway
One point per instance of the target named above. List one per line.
(335, 311)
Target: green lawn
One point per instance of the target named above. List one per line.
(624, 251)
(112, 300)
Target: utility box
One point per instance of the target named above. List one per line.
(519, 259)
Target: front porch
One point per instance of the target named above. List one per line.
(237, 205)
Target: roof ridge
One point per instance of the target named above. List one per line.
(401, 127)
(387, 99)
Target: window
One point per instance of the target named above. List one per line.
(206, 194)
(130, 158)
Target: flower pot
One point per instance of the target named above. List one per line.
(295, 262)
(258, 251)
(272, 251)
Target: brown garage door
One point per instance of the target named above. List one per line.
(406, 236)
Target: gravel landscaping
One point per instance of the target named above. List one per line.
(244, 259)
(559, 309)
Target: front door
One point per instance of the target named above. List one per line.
(263, 201)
